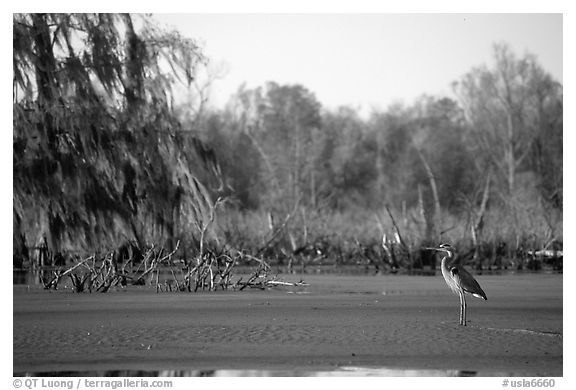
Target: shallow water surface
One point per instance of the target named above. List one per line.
(336, 326)
(342, 371)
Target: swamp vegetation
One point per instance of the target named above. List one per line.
(117, 176)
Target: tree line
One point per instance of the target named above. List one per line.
(484, 166)
(102, 155)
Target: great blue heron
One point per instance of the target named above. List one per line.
(458, 279)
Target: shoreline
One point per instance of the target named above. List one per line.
(339, 325)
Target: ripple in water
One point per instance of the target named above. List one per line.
(339, 372)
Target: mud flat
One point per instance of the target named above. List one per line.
(339, 325)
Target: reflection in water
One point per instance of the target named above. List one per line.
(342, 371)
(32, 277)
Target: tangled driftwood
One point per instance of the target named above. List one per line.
(210, 272)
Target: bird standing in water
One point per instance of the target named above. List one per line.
(458, 279)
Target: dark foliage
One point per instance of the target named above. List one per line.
(99, 159)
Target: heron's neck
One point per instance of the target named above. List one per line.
(444, 262)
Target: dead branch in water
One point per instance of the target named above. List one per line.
(281, 283)
(211, 272)
(399, 235)
(53, 283)
(79, 282)
(280, 229)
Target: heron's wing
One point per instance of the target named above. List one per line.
(467, 281)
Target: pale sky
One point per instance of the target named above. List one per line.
(363, 60)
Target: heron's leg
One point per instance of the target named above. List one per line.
(461, 308)
(464, 306)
